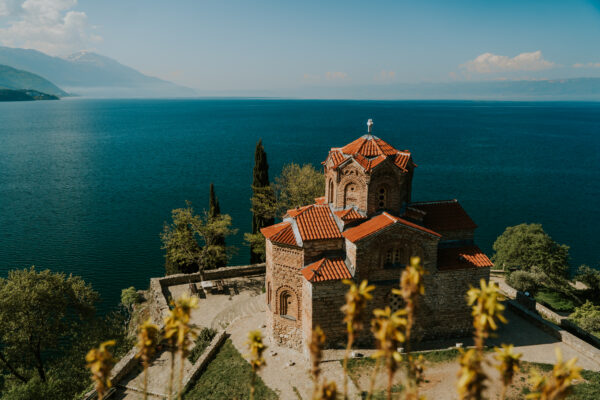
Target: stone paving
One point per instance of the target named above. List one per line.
(242, 309)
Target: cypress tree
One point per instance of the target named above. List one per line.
(214, 211)
(260, 180)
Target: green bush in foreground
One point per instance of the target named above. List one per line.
(556, 300)
(228, 377)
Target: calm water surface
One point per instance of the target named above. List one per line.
(85, 185)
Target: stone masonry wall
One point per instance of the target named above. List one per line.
(314, 249)
(370, 252)
(284, 283)
(394, 181)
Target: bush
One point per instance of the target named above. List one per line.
(204, 338)
(589, 276)
(587, 317)
(556, 300)
(524, 281)
(129, 297)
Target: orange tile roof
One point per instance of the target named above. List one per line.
(447, 215)
(349, 215)
(369, 146)
(326, 269)
(462, 258)
(379, 222)
(337, 157)
(370, 151)
(315, 222)
(320, 200)
(280, 233)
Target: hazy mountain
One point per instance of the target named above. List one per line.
(12, 78)
(585, 89)
(91, 74)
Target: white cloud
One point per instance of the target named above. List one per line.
(336, 75)
(46, 25)
(488, 63)
(587, 65)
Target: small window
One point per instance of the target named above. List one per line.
(382, 197)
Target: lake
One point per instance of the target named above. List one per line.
(86, 185)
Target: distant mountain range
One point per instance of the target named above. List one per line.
(16, 79)
(90, 74)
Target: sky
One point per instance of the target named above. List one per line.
(231, 45)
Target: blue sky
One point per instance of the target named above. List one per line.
(248, 45)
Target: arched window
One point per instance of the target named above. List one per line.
(395, 257)
(330, 192)
(350, 195)
(399, 256)
(382, 195)
(269, 294)
(286, 305)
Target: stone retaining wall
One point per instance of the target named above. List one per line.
(157, 298)
(571, 334)
(204, 359)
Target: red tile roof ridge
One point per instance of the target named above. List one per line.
(379, 222)
(326, 269)
(469, 256)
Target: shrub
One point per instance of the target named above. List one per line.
(524, 281)
(589, 276)
(587, 317)
(205, 336)
(129, 297)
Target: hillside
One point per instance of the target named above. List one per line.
(24, 95)
(12, 78)
(86, 73)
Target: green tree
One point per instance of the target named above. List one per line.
(39, 312)
(589, 276)
(298, 186)
(587, 317)
(263, 197)
(182, 251)
(192, 242)
(214, 211)
(527, 246)
(129, 297)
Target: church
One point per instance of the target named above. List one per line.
(367, 227)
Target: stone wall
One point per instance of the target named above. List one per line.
(284, 283)
(444, 311)
(157, 297)
(394, 182)
(369, 254)
(314, 249)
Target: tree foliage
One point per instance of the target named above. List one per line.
(527, 246)
(298, 186)
(591, 277)
(214, 212)
(263, 198)
(39, 310)
(587, 317)
(193, 243)
(129, 297)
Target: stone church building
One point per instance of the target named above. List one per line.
(367, 227)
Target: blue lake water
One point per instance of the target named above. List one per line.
(86, 185)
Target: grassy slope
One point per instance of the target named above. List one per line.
(228, 377)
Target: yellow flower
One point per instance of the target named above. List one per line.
(328, 391)
(387, 329)
(509, 362)
(100, 362)
(471, 379)
(256, 347)
(487, 307)
(411, 280)
(356, 299)
(148, 339)
(559, 384)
